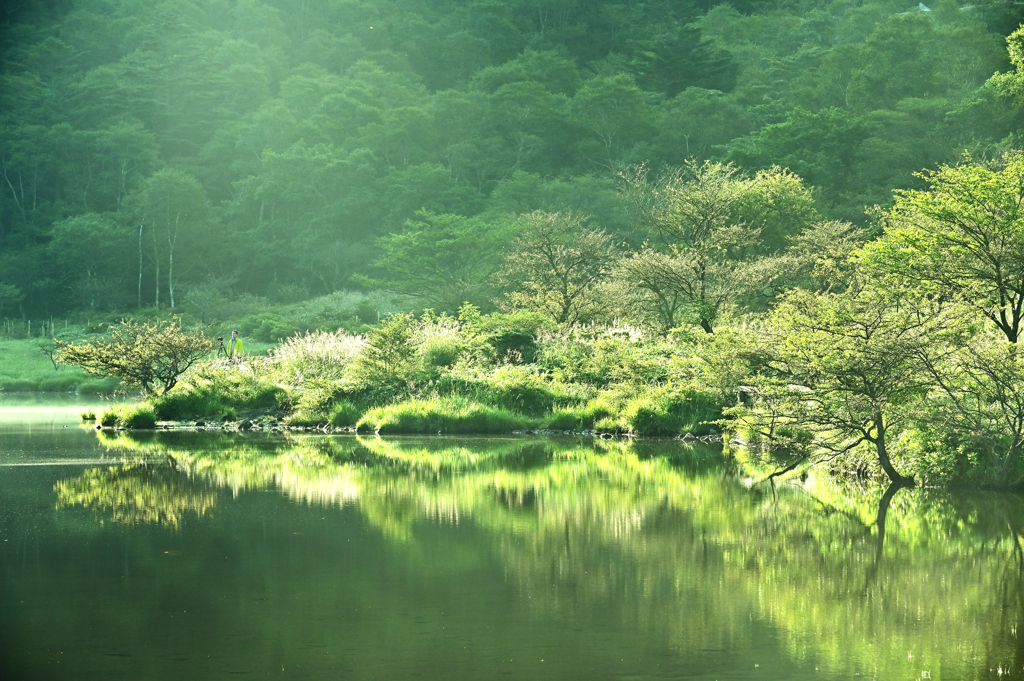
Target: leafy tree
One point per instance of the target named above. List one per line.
(558, 267)
(820, 258)
(982, 414)
(445, 260)
(699, 265)
(149, 356)
(962, 237)
(846, 370)
(9, 295)
(778, 205)
(821, 147)
(172, 209)
(614, 110)
(92, 252)
(389, 354)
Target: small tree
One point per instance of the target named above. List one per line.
(387, 356)
(146, 356)
(697, 263)
(559, 268)
(962, 237)
(445, 260)
(848, 370)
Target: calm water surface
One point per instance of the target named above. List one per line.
(213, 555)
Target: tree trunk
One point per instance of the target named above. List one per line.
(141, 224)
(883, 454)
(171, 241)
(156, 266)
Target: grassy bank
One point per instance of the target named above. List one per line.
(25, 366)
(473, 374)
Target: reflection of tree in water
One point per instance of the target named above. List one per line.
(137, 493)
(668, 540)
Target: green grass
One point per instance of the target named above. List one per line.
(221, 398)
(133, 416)
(444, 415)
(25, 368)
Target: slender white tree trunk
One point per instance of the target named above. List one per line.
(172, 239)
(141, 224)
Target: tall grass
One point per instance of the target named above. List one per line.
(219, 390)
(442, 415)
(321, 355)
(133, 416)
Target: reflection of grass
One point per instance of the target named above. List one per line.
(661, 529)
(449, 457)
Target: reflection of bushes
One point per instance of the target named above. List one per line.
(135, 494)
(661, 529)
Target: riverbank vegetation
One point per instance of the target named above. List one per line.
(621, 218)
(895, 356)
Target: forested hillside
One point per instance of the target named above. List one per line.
(163, 153)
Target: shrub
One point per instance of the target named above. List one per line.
(520, 389)
(344, 413)
(447, 415)
(147, 355)
(218, 390)
(387, 356)
(440, 344)
(315, 403)
(319, 356)
(507, 338)
(669, 413)
(135, 416)
(268, 327)
(190, 403)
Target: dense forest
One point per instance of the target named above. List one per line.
(187, 154)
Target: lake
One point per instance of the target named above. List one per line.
(210, 555)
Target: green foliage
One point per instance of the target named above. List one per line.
(441, 343)
(520, 389)
(315, 403)
(444, 260)
(559, 267)
(344, 413)
(849, 370)
(218, 391)
(962, 237)
(507, 338)
(669, 412)
(704, 221)
(268, 327)
(441, 415)
(339, 154)
(131, 416)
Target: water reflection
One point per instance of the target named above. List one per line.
(658, 537)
